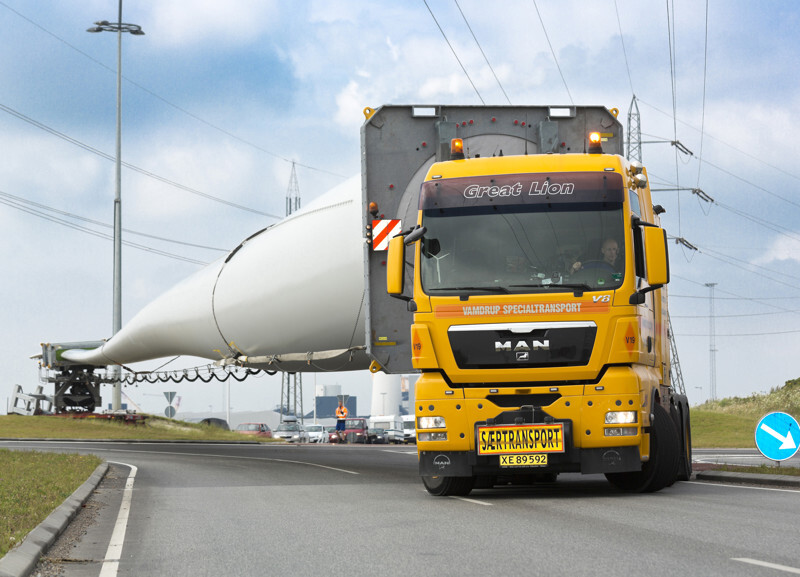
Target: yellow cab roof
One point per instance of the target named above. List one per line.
(525, 164)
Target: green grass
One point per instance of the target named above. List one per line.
(155, 428)
(32, 485)
(731, 422)
(719, 430)
(760, 470)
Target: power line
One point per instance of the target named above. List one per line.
(624, 52)
(128, 165)
(672, 68)
(734, 316)
(482, 52)
(703, 114)
(24, 201)
(86, 230)
(164, 100)
(741, 334)
(454, 52)
(732, 147)
(553, 52)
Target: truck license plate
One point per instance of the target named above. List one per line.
(520, 439)
(529, 460)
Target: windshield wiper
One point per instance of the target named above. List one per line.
(579, 288)
(494, 289)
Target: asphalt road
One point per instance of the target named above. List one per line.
(361, 510)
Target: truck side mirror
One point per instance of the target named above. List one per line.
(395, 264)
(655, 252)
(656, 260)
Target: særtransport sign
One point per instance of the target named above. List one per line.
(777, 435)
(517, 439)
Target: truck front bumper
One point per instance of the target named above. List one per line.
(586, 461)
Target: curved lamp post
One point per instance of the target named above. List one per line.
(119, 27)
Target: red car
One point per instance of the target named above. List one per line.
(256, 429)
(357, 431)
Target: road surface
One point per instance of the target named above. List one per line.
(197, 509)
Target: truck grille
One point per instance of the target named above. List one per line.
(522, 345)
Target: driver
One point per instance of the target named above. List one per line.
(610, 252)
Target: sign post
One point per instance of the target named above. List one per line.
(170, 410)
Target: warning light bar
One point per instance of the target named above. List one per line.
(457, 149)
(595, 143)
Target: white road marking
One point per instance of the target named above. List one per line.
(784, 568)
(715, 484)
(114, 551)
(474, 501)
(230, 457)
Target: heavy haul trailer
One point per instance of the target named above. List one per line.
(538, 355)
(535, 357)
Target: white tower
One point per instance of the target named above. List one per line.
(385, 394)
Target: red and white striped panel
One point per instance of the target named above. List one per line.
(383, 231)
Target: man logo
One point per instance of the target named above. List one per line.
(441, 461)
(523, 356)
(522, 346)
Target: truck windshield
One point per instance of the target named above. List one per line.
(523, 233)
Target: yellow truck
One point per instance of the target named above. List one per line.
(529, 257)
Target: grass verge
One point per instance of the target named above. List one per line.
(714, 430)
(32, 485)
(759, 470)
(155, 428)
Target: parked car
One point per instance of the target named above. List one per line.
(316, 433)
(214, 422)
(356, 430)
(379, 436)
(255, 429)
(409, 429)
(333, 436)
(290, 431)
(392, 424)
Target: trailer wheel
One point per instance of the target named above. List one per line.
(447, 486)
(662, 468)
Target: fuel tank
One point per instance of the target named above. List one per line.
(290, 297)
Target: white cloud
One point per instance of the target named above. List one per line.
(781, 250)
(192, 23)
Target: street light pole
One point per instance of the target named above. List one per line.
(119, 27)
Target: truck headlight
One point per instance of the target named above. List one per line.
(621, 417)
(430, 423)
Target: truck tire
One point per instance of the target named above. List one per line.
(662, 468)
(680, 416)
(448, 486)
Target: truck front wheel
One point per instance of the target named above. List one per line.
(447, 486)
(662, 468)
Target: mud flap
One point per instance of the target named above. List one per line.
(610, 460)
(445, 464)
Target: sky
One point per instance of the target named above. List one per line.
(220, 98)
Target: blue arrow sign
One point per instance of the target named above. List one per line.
(777, 435)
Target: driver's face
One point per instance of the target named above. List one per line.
(609, 251)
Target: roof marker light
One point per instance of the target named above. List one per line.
(457, 149)
(595, 143)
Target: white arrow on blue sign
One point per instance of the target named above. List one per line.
(777, 435)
